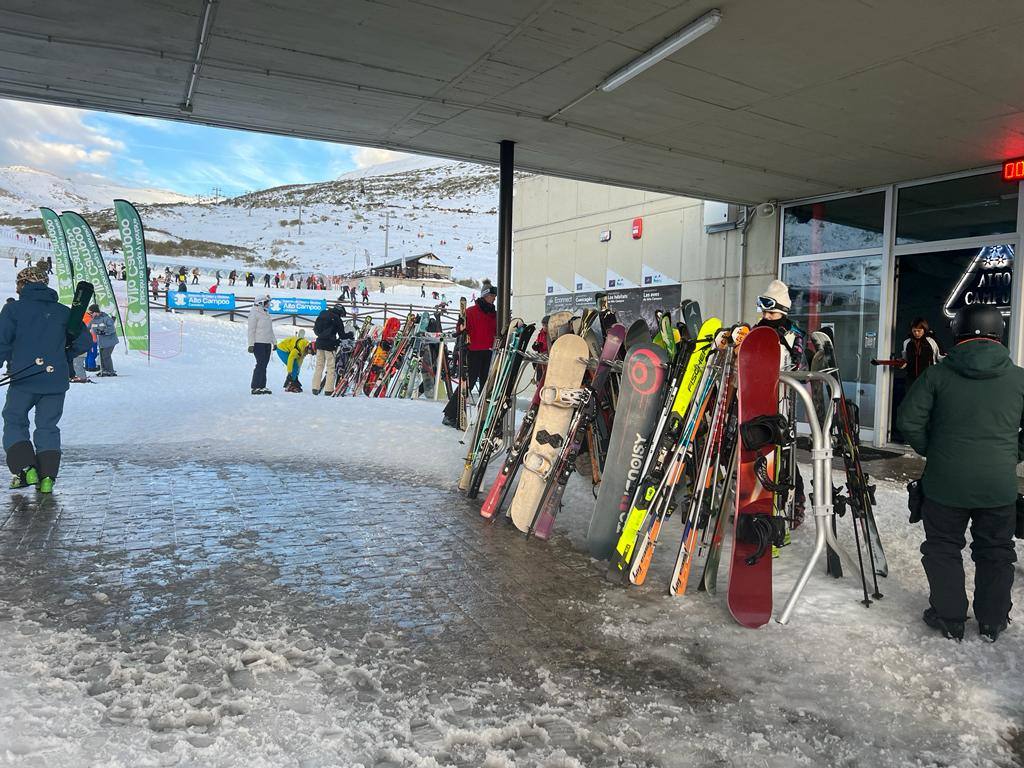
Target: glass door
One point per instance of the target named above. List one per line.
(932, 286)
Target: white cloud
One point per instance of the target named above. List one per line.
(46, 154)
(52, 138)
(364, 157)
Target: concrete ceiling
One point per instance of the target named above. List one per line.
(784, 99)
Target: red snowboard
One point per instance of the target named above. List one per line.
(750, 578)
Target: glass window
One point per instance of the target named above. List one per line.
(933, 286)
(844, 294)
(973, 206)
(846, 224)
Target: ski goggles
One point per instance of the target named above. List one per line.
(768, 304)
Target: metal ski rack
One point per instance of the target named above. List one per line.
(821, 459)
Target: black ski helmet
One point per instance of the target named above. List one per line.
(977, 321)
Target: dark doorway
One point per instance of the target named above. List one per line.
(934, 285)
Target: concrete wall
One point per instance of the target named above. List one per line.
(557, 225)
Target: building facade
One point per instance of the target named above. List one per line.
(866, 263)
(870, 263)
(573, 237)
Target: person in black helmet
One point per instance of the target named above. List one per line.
(965, 416)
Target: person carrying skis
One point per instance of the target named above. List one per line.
(103, 326)
(774, 305)
(481, 328)
(292, 352)
(965, 417)
(261, 341)
(33, 328)
(330, 330)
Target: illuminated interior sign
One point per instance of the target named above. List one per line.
(638, 228)
(988, 279)
(1013, 170)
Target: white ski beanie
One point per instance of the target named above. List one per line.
(779, 291)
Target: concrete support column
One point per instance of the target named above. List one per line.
(505, 179)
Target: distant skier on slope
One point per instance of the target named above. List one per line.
(965, 417)
(31, 329)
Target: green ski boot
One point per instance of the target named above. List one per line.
(46, 485)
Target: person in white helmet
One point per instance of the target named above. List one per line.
(774, 305)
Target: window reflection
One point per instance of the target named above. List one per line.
(845, 294)
(846, 224)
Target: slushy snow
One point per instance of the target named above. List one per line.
(662, 682)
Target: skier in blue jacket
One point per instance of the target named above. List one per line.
(34, 329)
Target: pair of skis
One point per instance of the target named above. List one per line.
(860, 494)
(496, 399)
(654, 500)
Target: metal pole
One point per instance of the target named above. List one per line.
(505, 181)
(821, 456)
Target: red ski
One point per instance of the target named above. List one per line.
(750, 578)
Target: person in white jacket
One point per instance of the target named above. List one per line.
(261, 343)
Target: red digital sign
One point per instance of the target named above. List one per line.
(1013, 170)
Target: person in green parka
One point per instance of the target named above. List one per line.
(965, 416)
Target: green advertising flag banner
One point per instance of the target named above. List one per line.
(85, 251)
(61, 257)
(133, 246)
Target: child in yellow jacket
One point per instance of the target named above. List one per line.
(293, 351)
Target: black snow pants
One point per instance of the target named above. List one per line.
(259, 374)
(478, 363)
(993, 552)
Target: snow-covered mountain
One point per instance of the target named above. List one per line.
(402, 208)
(23, 190)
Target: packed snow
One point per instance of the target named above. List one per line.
(649, 680)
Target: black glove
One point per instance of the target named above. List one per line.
(251, 348)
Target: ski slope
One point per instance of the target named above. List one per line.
(404, 208)
(840, 685)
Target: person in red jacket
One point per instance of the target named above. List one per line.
(481, 328)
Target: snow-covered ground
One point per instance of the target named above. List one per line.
(655, 681)
(413, 206)
(23, 190)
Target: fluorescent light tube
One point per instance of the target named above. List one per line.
(666, 48)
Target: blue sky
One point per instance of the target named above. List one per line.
(182, 157)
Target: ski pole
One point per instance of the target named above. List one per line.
(11, 380)
(7, 376)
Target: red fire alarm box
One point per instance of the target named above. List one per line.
(638, 228)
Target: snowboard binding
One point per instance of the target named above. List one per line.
(762, 530)
(774, 429)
